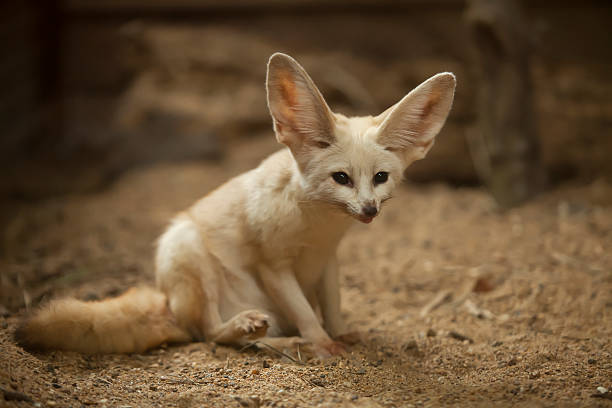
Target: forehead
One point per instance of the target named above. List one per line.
(356, 129)
(356, 142)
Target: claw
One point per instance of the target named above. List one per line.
(254, 324)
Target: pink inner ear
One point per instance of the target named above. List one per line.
(288, 93)
(288, 90)
(432, 101)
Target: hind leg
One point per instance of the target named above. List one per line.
(188, 274)
(184, 301)
(196, 309)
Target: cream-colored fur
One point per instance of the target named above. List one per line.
(256, 257)
(113, 325)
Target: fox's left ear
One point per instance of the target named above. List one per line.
(301, 116)
(409, 127)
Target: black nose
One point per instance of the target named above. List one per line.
(369, 211)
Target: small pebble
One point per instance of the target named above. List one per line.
(4, 311)
(460, 337)
(317, 382)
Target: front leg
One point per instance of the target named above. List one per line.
(328, 293)
(283, 288)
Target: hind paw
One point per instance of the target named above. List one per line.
(252, 324)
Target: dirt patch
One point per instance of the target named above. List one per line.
(457, 304)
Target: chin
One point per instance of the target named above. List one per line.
(363, 218)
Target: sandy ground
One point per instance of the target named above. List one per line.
(458, 304)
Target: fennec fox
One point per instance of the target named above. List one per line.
(257, 256)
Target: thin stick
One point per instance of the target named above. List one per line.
(182, 380)
(441, 297)
(273, 349)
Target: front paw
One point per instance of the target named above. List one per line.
(329, 348)
(349, 338)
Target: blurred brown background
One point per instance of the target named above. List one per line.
(116, 114)
(92, 88)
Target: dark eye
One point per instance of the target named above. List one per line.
(381, 177)
(341, 177)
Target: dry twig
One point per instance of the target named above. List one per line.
(274, 349)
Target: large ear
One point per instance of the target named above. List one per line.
(301, 116)
(409, 127)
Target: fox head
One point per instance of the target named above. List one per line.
(353, 163)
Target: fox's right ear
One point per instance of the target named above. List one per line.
(301, 116)
(410, 126)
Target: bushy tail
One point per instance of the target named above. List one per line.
(133, 322)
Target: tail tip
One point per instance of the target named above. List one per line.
(23, 338)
